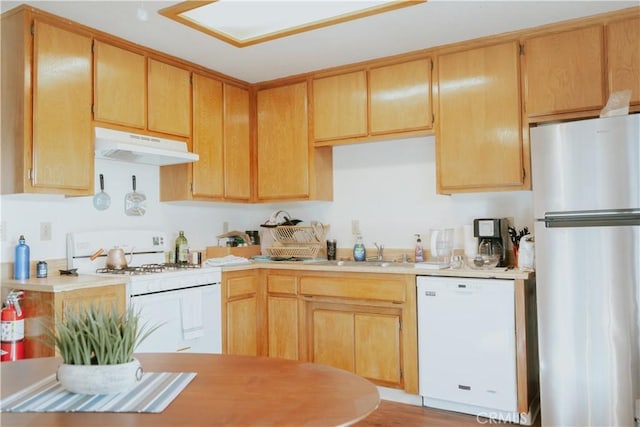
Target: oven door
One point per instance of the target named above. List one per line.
(190, 320)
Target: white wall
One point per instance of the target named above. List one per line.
(389, 187)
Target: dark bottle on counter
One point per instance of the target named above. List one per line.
(182, 249)
(331, 249)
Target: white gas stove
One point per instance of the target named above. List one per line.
(184, 298)
(145, 251)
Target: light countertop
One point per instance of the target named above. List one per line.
(391, 268)
(58, 283)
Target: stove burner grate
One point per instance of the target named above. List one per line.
(147, 268)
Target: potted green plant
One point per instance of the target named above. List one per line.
(96, 345)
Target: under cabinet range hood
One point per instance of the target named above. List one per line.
(137, 148)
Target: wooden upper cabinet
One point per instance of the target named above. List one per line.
(169, 99)
(62, 158)
(382, 101)
(340, 106)
(222, 139)
(623, 57)
(282, 143)
(479, 144)
(565, 72)
(400, 97)
(120, 86)
(208, 171)
(237, 143)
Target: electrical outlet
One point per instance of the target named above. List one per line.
(225, 227)
(45, 231)
(355, 226)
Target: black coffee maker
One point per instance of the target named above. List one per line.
(493, 235)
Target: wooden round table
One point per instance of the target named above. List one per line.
(227, 391)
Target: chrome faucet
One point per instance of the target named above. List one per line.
(380, 250)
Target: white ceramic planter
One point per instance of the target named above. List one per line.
(99, 379)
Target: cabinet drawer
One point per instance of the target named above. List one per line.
(282, 285)
(382, 289)
(239, 286)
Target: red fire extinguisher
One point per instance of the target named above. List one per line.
(12, 345)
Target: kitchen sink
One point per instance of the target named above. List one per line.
(368, 263)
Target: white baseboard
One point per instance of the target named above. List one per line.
(400, 396)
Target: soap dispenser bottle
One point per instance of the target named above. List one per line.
(359, 251)
(419, 256)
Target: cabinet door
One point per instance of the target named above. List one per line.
(340, 106)
(479, 137)
(169, 105)
(106, 296)
(241, 327)
(237, 143)
(62, 132)
(283, 148)
(282, 316)
(120, 86)
(333, 338)
(623, 57)
(377, 347)
(400, 97)
(564, 72)
(207, 137)
(283, 326)
(240, 313)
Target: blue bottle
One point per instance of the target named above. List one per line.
(359, 251)
(21, 260)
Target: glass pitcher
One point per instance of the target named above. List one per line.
(441, 245)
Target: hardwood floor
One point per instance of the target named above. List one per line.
(391, 414)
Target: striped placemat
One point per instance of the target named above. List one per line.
(154, 392)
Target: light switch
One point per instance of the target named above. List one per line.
(45, 231)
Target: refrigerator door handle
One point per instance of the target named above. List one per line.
(593, 218)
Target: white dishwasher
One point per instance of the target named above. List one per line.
(467, 347)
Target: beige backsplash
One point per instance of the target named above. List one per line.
(53, 265)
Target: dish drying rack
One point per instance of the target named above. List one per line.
(294, 241)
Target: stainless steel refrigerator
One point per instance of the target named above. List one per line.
(586, 190)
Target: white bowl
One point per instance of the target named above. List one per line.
(481, 262)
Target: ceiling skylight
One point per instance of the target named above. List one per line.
(246, 22)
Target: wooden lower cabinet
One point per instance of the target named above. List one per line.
(42, 308)
(361, 322)
(240, 312)
(282, 316)
(358, 339)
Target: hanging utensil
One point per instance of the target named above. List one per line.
(134, 202)
(101, 200)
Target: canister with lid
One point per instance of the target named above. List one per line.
(42, 269)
